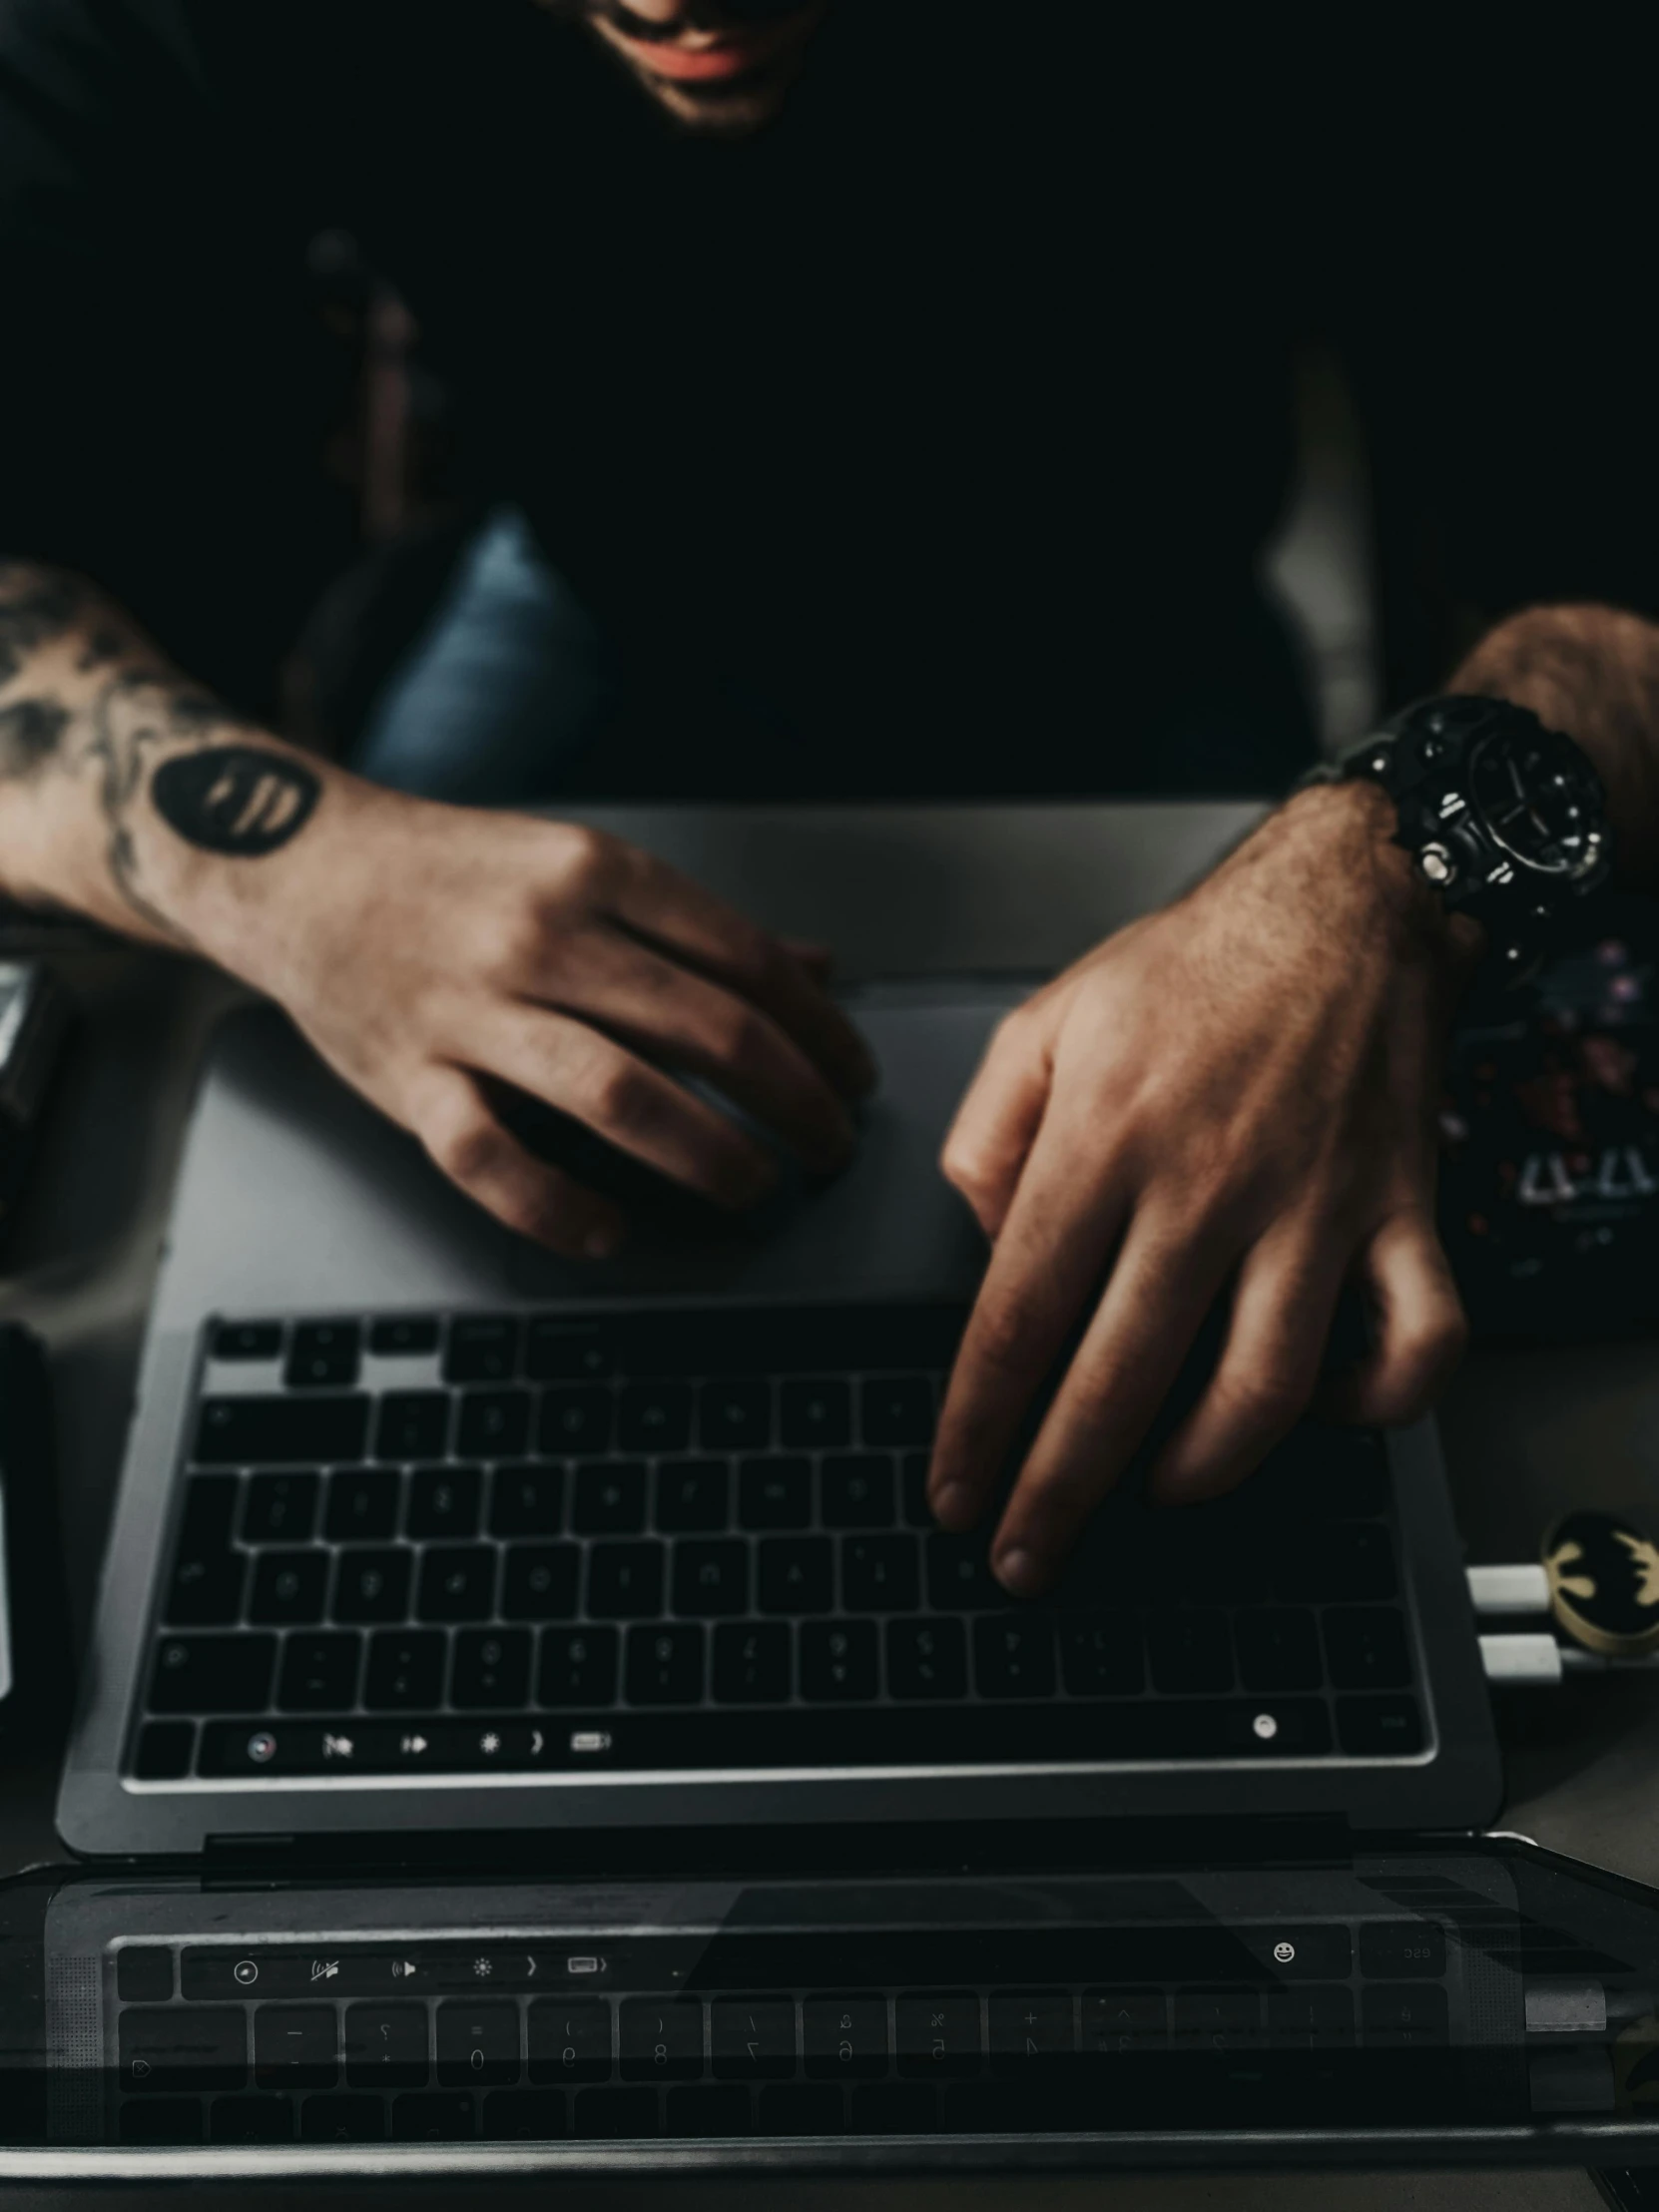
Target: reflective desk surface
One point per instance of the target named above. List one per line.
(897, 891)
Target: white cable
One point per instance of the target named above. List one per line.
(1500, 1591)
(1521, 1662)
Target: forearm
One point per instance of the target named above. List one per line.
(126, 793)
(1593, 672)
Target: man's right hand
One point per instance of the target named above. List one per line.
(433, 951)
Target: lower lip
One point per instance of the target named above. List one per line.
(704, 64)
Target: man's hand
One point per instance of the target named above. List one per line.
(1230, 1100)
(429, 951)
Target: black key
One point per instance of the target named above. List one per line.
(288, 1589)
(1029, 2026)
(898, 1410)
(609, 1498)
(927, 1658)
(837, 1660)
(775, 1494)
(791, 2108)
(913, 1469)
(1100, 1654)
(206, 1590)
(880, 1574)
(665, 1665)
(616, 2115)
(457, 1583)
(342, 2120)
(710, 1579)
(253, 2120)
(319, 1673)
(709, 2112)
(213, 1674)
(796, 1574)
(752, 1662)
(433, 2119)
(493, 1425)
(1350, 1562)
(560, 1350)
(857, 1491)
(844, 2037)
(570, 2039)
(248, 1431)
(816, 1415)
(372, 1585)
(578, 1667)
(1365, 1647)
(574, 1421)
(144, 1973)
(654, 1417)
(482, 1348)
(1013, 1655)
(183, 2048)
(413, 1424)
(938, 2033)
(1310, 2020)
(1125, 2020)
(1404, 2017)
(403, 1337)
(280, 1508)
(694, 1497)
(539, 1583)
(521, 2116)
(323, 1355)
(735, 1415)
(1278, 1650)
(527, 1502)
(752, 2039)
(958, 1578)
(444, 1504)
(1403, 1951)
(1189, 1650)
(1375, 1727)
(625, 1581)
(661, 2038)
(490, 1669)
(477, 2043)
(406, 1670)
(163, 1749)
(295, 2046)
(362, 1506)
(248, 1339)
(386, 2046)
(1217, 2019)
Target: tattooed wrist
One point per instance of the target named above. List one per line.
(239, 800)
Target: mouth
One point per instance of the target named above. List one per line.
(710, 59)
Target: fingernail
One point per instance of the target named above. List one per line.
(952, 1506)
(602, 1242)
(1020, 1572)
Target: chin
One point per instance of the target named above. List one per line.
(744, 105)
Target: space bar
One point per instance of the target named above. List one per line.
(626, 1739)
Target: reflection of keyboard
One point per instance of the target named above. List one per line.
(880, 2033)
(699, 1540)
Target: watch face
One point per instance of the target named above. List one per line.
(1541, 803)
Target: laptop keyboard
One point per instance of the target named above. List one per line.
(698, 1539)
(533, 2037)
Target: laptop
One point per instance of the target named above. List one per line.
(531, 1706)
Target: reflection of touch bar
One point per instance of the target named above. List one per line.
(584, 1965)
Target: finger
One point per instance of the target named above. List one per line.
(816, 959)
(674, 1013)
(1043, 1270)
(997, 1121)
(470, 1146)
(632, 1105)
(1420, 1326)
(659, 903)
(1269, 1369)
(1164, 1282)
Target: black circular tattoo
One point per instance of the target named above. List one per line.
(234, 798)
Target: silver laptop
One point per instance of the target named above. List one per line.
(422, 1532)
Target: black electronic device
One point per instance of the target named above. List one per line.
(33, 1020)
(34, 1638)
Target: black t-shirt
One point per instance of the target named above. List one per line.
(945, 419)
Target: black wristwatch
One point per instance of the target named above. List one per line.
(1506, 819)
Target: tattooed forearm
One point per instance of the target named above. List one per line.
(85, 699)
